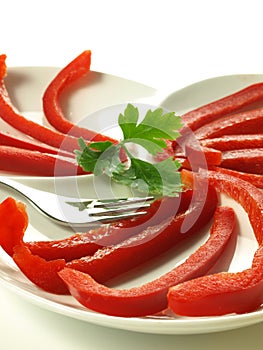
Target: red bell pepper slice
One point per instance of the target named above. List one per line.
(194, 156)
(222, 293)
(248, 122)
(151, 297)
(232, 127)
(110, 262)
(230, 104)
(231, 142)
(226, 292)
(202, 157)
(14, 221)
(29, 162)
(246, 194)
(250, 197)
(245, 160)
(7, 139)
(42, 273)
(39, 132)
(88, 243)
(75, 70)
(254, 179)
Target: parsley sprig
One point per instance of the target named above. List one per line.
(118, 161)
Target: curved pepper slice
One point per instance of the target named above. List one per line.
(248, 122)
(194, 156)
(245, 160)
(202, 157)
(75, 70)
(30, 162)
(88, 243)
(231, 142)
(14, 221)
(150, 298)
(39, 132)
(254, 179)
(227, 292)
(224, 106)
(110, 262)
(221, 293)
(42, 273)
(246, 194)
(7, 139)
(249, 196)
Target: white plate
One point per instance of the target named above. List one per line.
(208, 90)
(26, 85)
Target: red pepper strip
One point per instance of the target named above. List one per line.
(221, 293)
(110, 262)
(254, 179)
(42, 273)
(39, 132)
(203, 157)
(231, 142)
(75, 70)
(225, 293)
(39, 271)
(35, 163)
(250, 122)
(230, 104)
(246, 194)
(246, 160)
(88, 243)
(151, 297)
(7, 139)
(14, 221)
(193, 157)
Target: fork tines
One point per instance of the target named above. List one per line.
(121, 206)
(110, 203)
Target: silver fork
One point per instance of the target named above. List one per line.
(79, 212)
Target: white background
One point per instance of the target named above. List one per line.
(151, 41)
(164, 44)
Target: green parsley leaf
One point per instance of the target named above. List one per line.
(151, 133)
(171, 178)
(128, 121)
(148, 176)
(160, 179)
(110, 162)
(154, 129)
(88, 157)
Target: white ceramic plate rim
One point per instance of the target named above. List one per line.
(200, 93)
